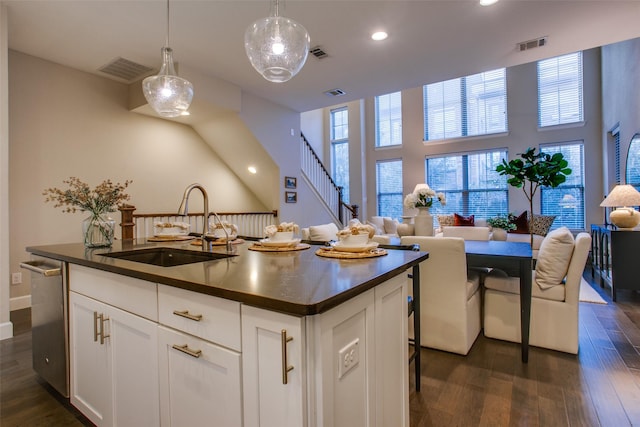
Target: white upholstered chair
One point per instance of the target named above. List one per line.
(467, 233)
(555, 295)
(450, 300)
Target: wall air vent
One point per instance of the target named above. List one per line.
(318, 52)
(531, 44)
(126, 70)
(334, 92)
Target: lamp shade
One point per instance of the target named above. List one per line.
(277, 47)
(622, 195)
(168, 94)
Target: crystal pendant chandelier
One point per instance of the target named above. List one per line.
(277, 47)
(168, 94)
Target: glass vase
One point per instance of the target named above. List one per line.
(98, 231)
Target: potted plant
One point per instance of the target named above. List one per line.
(531, 171)
(500, 224)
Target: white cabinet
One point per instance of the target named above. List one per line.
(199, 382)
(274, 375)
(114, 364)
(113, 353)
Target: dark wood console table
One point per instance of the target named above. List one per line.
(615, 257)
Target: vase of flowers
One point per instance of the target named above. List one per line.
(423, 198)
(97, 229)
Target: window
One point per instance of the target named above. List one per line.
(633, 162)
(468, 106)
(340, 150)
(560, 90)
(470, 183)
(389, 188)
(566, 201)
(388, 119)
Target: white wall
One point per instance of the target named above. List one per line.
(66, 123)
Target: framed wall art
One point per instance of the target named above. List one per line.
(290, 197)
(290, 182)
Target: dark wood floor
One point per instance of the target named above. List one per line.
(489, 387)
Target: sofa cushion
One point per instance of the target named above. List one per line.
(460, 220)
(390, 225)
(541, 224)
(446, 220)
(554, 257)
(378, 223)
(521, 222)
(324, 232)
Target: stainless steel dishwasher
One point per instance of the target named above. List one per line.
(49, 321)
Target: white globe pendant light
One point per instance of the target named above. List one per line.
(168, 94)
(277, 47)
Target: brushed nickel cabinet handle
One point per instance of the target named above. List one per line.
(186, 314)
(102, 334)
(95, 326)
(285, 364)
(185, 349)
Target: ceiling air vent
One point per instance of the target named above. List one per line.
(124, 69)
(318, 52)
(531, 44)
(334, 92)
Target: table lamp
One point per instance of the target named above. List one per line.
(622, 197)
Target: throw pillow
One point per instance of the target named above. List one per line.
(521, 223)
(446, 220)
(378, 224)
(390, 226)
(459, 220)
(323, 233)
(554, 257)
(377, 230)
(541, 224)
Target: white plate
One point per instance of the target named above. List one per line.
(279, 243)
(213, 236)
(169, 234)
(347, 248)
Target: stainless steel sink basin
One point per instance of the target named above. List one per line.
(166, 257)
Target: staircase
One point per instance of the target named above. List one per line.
(323, 185)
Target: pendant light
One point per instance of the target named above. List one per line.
(168, 94)
(277, 47)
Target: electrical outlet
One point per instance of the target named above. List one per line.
(348, 357)
(16, 278)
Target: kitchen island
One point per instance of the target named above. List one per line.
(259, 338)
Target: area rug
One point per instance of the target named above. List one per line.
(588, 294)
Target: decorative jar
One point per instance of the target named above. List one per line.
(98, 231)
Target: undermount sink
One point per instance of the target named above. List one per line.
(167, 257)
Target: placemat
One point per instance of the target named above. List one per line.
(169, 238)
(332, 253)
(198, 242)
(258, 247)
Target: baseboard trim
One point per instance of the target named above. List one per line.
(6, 330)
(18, 303)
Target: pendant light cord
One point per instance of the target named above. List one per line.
(167, 40)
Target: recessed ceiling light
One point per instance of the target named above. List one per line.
(488, 2)
(379, 35)
(252, 169)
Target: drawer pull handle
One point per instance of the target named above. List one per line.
(95, 326)
(186, 314)
(285, 364)
(102, 334)
(185, 349)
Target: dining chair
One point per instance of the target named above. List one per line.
(554, 295)
(450, 301)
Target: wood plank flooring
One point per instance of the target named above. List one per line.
(489, 387)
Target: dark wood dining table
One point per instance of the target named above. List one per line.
(515, 258)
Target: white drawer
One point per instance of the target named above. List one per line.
(211, 318)
(128, 293)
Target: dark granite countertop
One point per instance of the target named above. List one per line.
(298, 282)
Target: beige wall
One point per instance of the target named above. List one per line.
(6, 328)
(66, 123)
(523, 133)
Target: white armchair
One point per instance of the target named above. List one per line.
(555, 295)
(449, 296)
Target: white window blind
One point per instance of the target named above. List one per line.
(633, 162)
(560, 90)
(340, 149)
(467, 106)
(566, 201)
(389, 188)
(470, 183)
(388, 119)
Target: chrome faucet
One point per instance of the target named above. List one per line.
(184, 210)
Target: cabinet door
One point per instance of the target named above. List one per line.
(90, 362)
(199, 382)
(273, 396)
(133, 346)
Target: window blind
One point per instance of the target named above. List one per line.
(388, 119)
(633, 162)
(389, 188)
(560, 90)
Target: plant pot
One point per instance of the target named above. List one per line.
(98, 231)
(499, 234)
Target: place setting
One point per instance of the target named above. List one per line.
(280, 238)
(220, 233)
(353, 243)
(170, 232)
